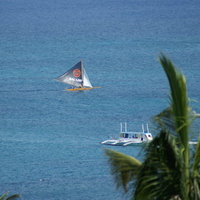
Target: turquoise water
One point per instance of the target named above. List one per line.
(50, 139)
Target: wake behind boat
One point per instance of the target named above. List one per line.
(77, 77)
(128, 138)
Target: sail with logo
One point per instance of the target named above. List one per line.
(77, 77)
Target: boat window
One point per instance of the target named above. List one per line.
(126, 135)
(149, 135)
(136, 136)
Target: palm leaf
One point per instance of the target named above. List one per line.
(3, 196)
(160, 173)
(14, 196)
(165, 120)
(180, 107)
(179, 100)
(197, 157)
(123, 167)
(195, 176)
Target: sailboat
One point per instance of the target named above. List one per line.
(77, 77)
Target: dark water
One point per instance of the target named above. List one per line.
(49, 138)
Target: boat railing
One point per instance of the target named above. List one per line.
(125, 128)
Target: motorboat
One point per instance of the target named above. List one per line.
(129, 138)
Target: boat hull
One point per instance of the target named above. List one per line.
(82, 88)
(123, 143)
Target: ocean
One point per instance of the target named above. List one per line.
(50, 138)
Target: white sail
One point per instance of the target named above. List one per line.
(86, 80)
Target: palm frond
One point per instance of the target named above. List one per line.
(3, 196)
(181, 113)
(179, 99)
(195, 175)
(123, 167)
(197, 157)
(161, 172)
(14, 196)
(165, 120)
(194, 192)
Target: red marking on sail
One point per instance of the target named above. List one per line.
(76, 73)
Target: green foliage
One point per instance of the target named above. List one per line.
(167, 172)
(123, 167)
(4, 196)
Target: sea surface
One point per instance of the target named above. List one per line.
(50, 138)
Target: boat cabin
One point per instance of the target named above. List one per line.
(135, 135)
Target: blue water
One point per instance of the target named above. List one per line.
(49, 138)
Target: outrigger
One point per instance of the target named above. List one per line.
(129, 138)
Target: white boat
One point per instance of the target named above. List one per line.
(128, 138)
(196, 114)
(76, 76)
(191, 142)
